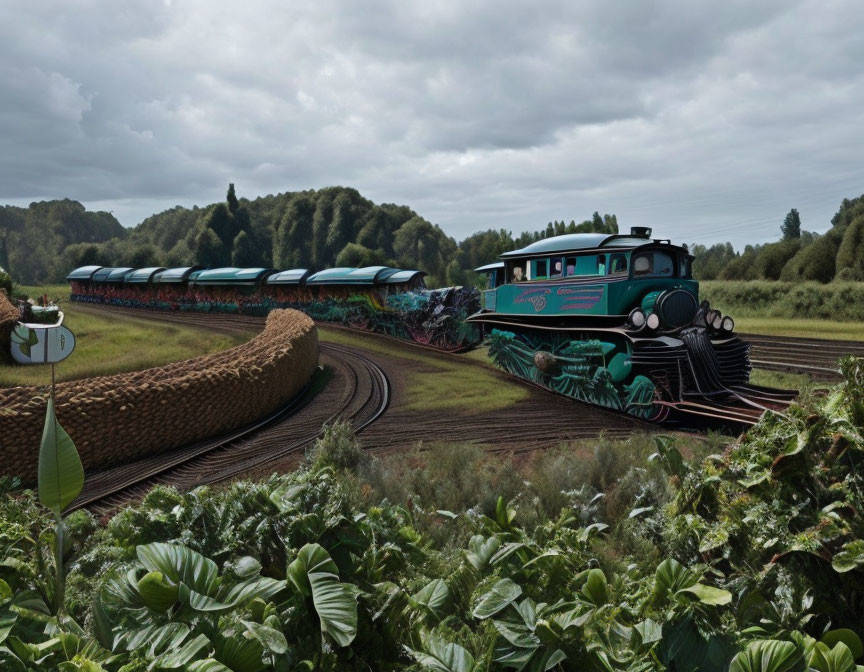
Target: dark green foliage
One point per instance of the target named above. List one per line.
(806, 300)
(598, 556)
(208, 249)
(772, 258)
(710, 261)
(816, 261)
(244, 253)
(791, 225)
(32, 240)
(850, 255)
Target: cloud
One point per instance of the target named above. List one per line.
(708, 122)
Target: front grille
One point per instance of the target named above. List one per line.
(677, 308)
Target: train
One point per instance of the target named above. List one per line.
(615, 320)
(390, 301)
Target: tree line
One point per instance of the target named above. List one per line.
(336, 226)
(799, 255)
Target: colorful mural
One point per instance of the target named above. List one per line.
(435, 318)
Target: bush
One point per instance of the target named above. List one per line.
(806, 300)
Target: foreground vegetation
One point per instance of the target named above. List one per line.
(600, 556)
(109, 343)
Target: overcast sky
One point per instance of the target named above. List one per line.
(707, 121)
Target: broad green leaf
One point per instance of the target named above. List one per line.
(315, 574)
(505, 552)
(848, 637)
(336, 604)
(480, 551)
(672, 576)
(838, 659)
(442, 656)
(432, 598)
(311, 558)
(61, 476)
(157, 593)
(503, 593)
(767, 655)
(207, 665)
(9, 661)
(270, 638)
(649, 631)
(262, 587)
(708, 594)
(240, 654)
(180, 564)
(203, 603)
(849, 557)
(594, 588)
(179, 658)
(7, 622)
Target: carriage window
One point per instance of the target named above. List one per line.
(541, 269)
(617, 264)
(557, 265)
(601, 264)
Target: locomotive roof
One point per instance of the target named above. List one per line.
(573, 242)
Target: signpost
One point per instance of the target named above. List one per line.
(61, 475)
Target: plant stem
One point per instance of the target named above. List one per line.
(58, 562)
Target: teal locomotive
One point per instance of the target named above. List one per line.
(615, 320)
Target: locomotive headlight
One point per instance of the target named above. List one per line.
(653, 321)
(728, 324)
(637, 318)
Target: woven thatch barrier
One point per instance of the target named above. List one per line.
(114, 419)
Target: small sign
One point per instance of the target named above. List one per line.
(35, 344)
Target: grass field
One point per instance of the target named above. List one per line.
(432, 380)
(780, 326)
(107, 344)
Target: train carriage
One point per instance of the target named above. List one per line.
(385, 300)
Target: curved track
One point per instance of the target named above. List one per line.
(359, 391)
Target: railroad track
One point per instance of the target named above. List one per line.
(359, 391)
(815, 357)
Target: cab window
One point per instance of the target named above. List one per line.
(653, 264)
(685, 271)
(540, 268)
(617, 264)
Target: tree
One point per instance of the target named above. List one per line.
(244, 253)
(231, 199)
(209, 250)
(850, 255)
(773, 257)
(791, 225)
(357, 256)
(817, 261)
